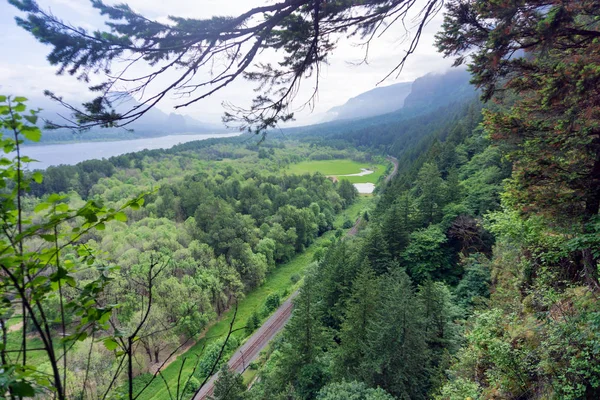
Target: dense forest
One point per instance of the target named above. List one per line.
(471, 273)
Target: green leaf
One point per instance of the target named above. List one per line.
(31, 118)
(32, 133)
(2, 99)
(111, 344)
(48, 238)
(19, 99)
(104, 317)
(22, 389)
(120, 216)
(38, 177)
(61, 208)
(39, 280)
(100, 226)
(41, 207)
(53, 198)
(8, 147)
(20, 107)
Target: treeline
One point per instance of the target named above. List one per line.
(274, 154)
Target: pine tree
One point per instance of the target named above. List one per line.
(442, 333)
(430, 190)
(375, 249)
(301, 34)
(358, 326)
(229, 385)
(545, 55)
(305, 333)
(397, 353)
(394, 230)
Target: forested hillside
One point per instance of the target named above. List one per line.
(477, 275)
(470, 273)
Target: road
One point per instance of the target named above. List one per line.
(250, 351)
(391, 176)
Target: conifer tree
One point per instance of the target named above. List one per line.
(397, 352)
(395, 230)
(229, 385)
(430, 190)
(376, 251)
(358, 326)
(544, 54)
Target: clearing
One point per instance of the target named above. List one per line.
(341, 169)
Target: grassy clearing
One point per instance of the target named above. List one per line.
(277, 282)
(338, 168)
(34, 357)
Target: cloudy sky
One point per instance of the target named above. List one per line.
(25, 71)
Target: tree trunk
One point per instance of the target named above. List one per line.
(592, 207)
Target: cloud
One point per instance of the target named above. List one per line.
(27, 71)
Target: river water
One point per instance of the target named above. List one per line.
(72, 153)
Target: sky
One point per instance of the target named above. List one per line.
(25, 71)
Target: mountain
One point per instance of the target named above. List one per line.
(374, 102)
(153, 123)
(429, 93)
(156, 121)
(433, 90)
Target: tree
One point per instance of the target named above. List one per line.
(426, 256)
(303, 32)
(304, 339)
(430, 190)
(34, 276)
(397, 352)
(540, 59)
(376, 251)
(358, 326)
(229, 385)
(347, 191)
(394, 229)
(442, 333)
(352, 391)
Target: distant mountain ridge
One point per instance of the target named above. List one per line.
(157, 121)
(434, 90)
(153, 123)
(378, 101)
(431, 90)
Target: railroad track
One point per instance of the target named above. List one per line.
(250, 351)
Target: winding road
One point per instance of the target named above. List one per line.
(250, 350)
(391, 176)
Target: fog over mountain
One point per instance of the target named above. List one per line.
(426, 91)
(154, 123)
(378, 101)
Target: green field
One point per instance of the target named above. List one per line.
(277, 282)
(340, 167)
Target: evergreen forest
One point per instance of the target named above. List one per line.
(471, 272)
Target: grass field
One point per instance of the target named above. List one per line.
(338, 168)
(277, 282)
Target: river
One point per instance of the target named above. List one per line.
(73, 153)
